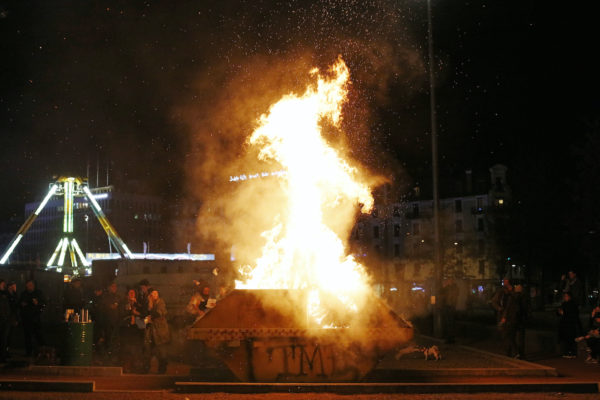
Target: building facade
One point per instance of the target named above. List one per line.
(397, 238)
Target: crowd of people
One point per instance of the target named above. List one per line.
(23, 309)
(129, 329)
(513, 312)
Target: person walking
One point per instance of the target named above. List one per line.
(32, 303)
(157, 334)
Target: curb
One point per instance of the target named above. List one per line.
(64, 370)
(362, 388)
(47, 386)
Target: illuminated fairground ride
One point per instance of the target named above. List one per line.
(69, 188)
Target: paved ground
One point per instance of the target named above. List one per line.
(284, 396)
(570, 368)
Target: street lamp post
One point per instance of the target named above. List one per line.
(437, 262)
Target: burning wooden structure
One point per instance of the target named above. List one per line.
(263, 336)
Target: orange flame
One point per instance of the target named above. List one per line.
(305, 249)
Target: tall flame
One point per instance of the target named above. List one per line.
(305, 249)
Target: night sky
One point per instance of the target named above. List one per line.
(145, 87)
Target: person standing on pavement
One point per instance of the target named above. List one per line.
(13, 321)
(4, 320)
(568, 326)
(513, 322)
(132, 333)
(110, 308)
(575, 287)
(157, 334)
(500, 299)
(142, 295)
(97, 316)
(32, 303)
(73, 296)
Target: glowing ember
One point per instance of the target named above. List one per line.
(305, 250)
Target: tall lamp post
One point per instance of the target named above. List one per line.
(437, 262)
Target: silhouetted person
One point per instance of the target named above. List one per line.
(575, 287)
(132, 333)
(4, 320)
(500, 299)
(157, 334)
(568, 326)
(32, 303)
(110, 309)
(97, 316)
(73, 296)
(142, 295)
(513, 322)
(13, 320)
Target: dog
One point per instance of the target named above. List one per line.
(433, 352)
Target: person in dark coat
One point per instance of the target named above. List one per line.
(157, 334)
(142, 295)
(514, 318)
(131, 333)
(4, 320)
(97, 316)
(110, 308)
(13, 320)
(32, 303)
(73, 296)
(568, 326)
(575, 287)
(500, 299)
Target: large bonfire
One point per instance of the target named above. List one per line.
(306, 249)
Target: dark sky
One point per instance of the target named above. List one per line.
(106, 81)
